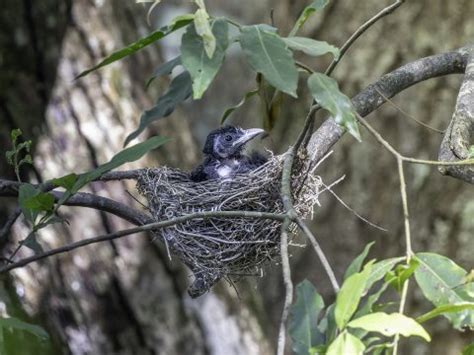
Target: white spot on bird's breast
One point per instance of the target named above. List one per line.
(224, 171)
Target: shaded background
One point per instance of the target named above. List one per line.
(125, 297)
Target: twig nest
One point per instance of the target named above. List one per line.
(221, 246)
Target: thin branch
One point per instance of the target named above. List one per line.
(321, 255)
(406, 114)
(147, 227)
(286, 270)
(386, 11)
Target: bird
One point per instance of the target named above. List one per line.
(225, 154)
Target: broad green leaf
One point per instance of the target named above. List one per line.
(440, 280)
(326, 93)
(26, 192)
(203, 29)
(175, 24)
(40, 202)
(303, 322)
(269, 55)
(349, 296)
(315, 5)
(178, 91)
(468, 350)
(447, 308)
(66, 181)
(164, 69)
(16, 323)
(311, 46)
(379, 270)
(346, 344)
(194, 58)
(390, 325)
(228, 111)
(356, 264)
(127, 155)
(31, 242)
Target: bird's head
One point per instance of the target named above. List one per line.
(229, 141)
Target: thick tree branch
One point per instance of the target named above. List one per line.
(389, 85)
(460, 133)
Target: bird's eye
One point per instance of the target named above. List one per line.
(228, 138)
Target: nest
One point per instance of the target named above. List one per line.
(219, 247)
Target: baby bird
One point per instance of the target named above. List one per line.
(225, 156)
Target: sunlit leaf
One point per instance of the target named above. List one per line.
(269, 55)
(15, 323)
(390, 325)
(203, 29)
(326, 93)
(356, 264)
(202, 68)
(379, 270)
(315, 5)
(164, 69)
(447, 308)
(228, 111)
(311, 46)
(346, 344)
(441, 281)
(349, 295)
(176, 24)
(401, 273)
(303, 322)
(179, 90)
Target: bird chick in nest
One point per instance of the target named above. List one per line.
(226, 154)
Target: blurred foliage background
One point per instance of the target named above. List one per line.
(126, 297)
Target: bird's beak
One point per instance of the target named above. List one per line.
(248, 135)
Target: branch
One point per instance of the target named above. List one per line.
(389, 85)
(457, 139)
(83, 199)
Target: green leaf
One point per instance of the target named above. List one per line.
(26, 192)
(130, 154)
(175, 24)
(40, 202)
(371, 299)
(194, 58)
(446, 308)
(164, 69)
(356, 264)
(326, 92)
(471, 152)
(303, 322)
(228, 111)
(379, 270)
(311, 46)
(14, 134)
(349, 296)
(440, 280)
(268, 54)
(178, 91)
(401, 273)
(66, 181)
(31, 242)
(203, 29)
(390, 325)
(18, 324)
(316, 5)
(468, 350)
(328, 325)
(346, 344)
